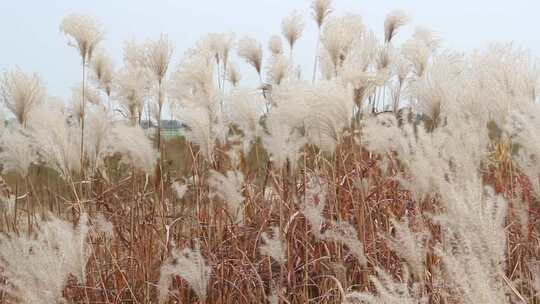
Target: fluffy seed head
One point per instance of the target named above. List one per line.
(103, 69)
(251, 51)
(393, 22)
(21, 92)
(188, 264)
(338, 35)
(17, 151)
(86, 33)
(292, 28)
(233, 75)
(228, 188)
(275, 46)
(321, 10)
(158, 56)
(273, 246)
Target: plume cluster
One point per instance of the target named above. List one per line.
(400, 173)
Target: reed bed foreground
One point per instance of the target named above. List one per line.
(393, 174)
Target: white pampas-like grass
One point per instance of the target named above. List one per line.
(192, 82)
(410, 246)
(446, 161)
(275, 46)
(86, 33)
(278, 69)
(97, 141)
(321, 9)
(20, 93)
(331, 109)
(251, 51)
(244, 109)
(522, 129)
(188, 264)
(273, 246)
(389, 290)
(134, 54)
(292, 28)
(103, 69)
(91, 95)
(228, 188)
(340, 232)
(338, 35)
(283, 143)
(158, 55)
(57, 139)
(179, 189)
(103, 225)
(220, 44)
(37, 266)
(200, 129)
(131, 88)
(435, 89)
(18, 151)
(133, 146)
(233, 75)
(419, 49)
(394, 20)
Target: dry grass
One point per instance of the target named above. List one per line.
(376, 206)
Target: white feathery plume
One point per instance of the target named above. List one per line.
(278, 69)
(103, 68)
(104, 225)
(134, 54)
(200, 129)
(233, 75)
(97, 140)
(282, 142)
(188, 264)
(17, 152)
(179, 189)
(86, 33)
(522, 130)
(133, 146)
(192, 82)
(389, 290)
(292, 28)
(90, 94)
(338, 35)
(313, 209)
(410, 246)
(321, 10)
(394, 20)
(220, 45)
(435, 90)
(251, 51)
(244, 109)
(275, 46)
(228, 188)
(131, 89)
(56, 138)
(273, 246)
(330, 112)
(38, 266)
(419, 49)
(158, 55)
(20, 93)
(340, 232)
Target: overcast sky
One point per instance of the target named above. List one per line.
(30, 36)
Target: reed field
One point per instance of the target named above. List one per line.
(393, 173)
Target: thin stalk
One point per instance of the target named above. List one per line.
(316, 60)
(82, 113)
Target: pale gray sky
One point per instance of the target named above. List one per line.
(30, 36)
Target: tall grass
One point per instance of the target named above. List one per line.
(396, 174)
